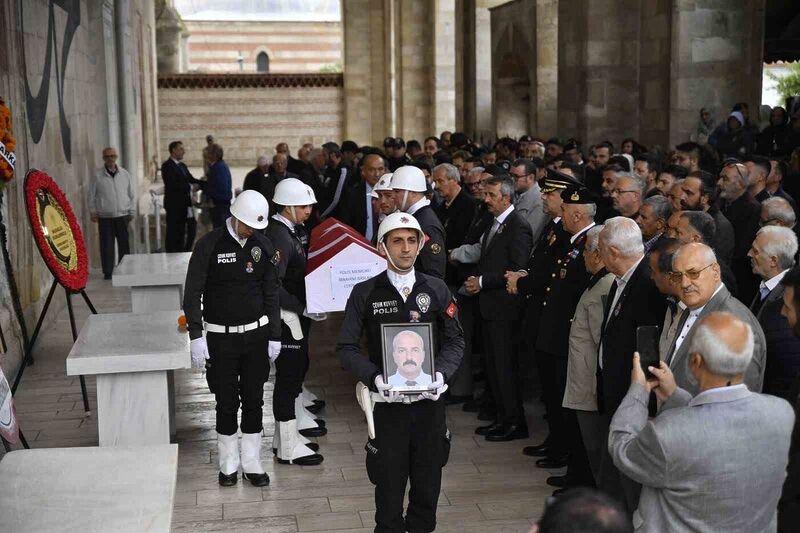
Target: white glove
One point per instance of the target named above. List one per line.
(199, 352)
(382, 387)
(292, 321)
(274, 350)
(435, 389)
(316, 317)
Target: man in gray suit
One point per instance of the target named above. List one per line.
(700, 289)
(528, 201)
(772, 255)
(712, 462)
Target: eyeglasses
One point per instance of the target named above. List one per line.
(693, 275)
(621, 191)
(109, 156)
(735, 164)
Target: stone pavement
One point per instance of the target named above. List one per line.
(486, 487)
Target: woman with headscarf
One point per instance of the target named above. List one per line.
(735, 140)
(705, 125)
(773, 140)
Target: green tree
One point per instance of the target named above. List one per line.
(789, 83)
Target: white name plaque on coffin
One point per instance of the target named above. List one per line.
(345, 277)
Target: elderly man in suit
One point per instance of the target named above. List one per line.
(356, 205)
(528, 201)
(772, 255)
(696, 271)
(633, 301)
(683, 458)
(505, 246)
(181, 225)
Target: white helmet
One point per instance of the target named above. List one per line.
(409, 178)
(292, 191)
(251, 208)
(398, 220)
(384, 184)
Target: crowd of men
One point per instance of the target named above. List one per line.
(559, 258)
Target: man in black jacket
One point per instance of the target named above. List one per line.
(505, 247)
(356, 204)
(410, 187)
(700, 193)
(456, 213)
(411, 440)
(181, 225)
(633, 301)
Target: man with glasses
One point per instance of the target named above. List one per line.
(743, 211)
(627, 194)
(528, 201)
(696, 275)
(112, 204)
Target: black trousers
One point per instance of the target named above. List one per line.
(553, 374)
(219, 214)
(501, 369)
(461, 382)
(578, 467)
(411, 443)
(181, 231)
(238, 368)
(112, 229)
(290, 369)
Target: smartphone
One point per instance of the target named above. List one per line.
(647, 346)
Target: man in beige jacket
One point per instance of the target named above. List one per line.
(584, 337)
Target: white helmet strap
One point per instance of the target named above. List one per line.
(403, 205)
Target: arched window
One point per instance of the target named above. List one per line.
(262, 62)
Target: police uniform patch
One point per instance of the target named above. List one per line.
(423, 302)
(255, 251)
(276, 258)
(435, 248)
(249, 267)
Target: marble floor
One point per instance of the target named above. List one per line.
(486, 487)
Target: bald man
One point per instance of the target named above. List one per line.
(683, 456)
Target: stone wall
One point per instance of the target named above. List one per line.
(249, 114)
(96, 89)
(298, 46)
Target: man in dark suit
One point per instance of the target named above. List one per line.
(356, 205)
(743, 212)
(633, 301)
(772, 255)
(338, 177)
(456, 213)
(505, 247)
(255, 180)
(181, 225)
(700, 193)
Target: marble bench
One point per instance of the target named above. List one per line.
(156, 282)
(130, 354)
(88, 490)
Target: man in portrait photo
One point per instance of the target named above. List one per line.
(408, 352)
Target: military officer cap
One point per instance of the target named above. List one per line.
(500, 168)
(556, 180)
(578, 195)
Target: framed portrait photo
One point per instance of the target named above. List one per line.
(408, 356)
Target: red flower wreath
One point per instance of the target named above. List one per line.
(73, 279)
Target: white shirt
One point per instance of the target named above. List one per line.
(398, 380)
(773, 282)
(621, 282)
(285, 221)
(401, 281)
(368, 230)
(416, 206)
(690, 320)
(581, 232)
(499, 219)
(229, 225)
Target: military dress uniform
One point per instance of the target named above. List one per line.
(238, 283)
(411, 439)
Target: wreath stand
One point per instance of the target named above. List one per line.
(28, 360)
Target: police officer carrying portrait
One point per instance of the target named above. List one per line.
(294, 200)
(411, 439)
(410, 186)
(233, 272)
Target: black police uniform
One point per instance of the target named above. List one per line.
(411, 440)
(433, 257)
(238, 285)
(292, 364)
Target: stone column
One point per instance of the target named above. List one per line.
(717, 58)
(415, 62)
(598, 69)
(545, 121)
(443, 73)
